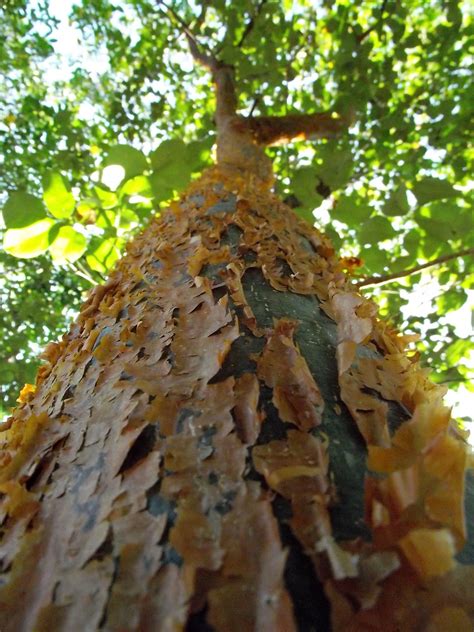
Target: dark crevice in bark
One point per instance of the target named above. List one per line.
(197, 622)
(238, 359)
(316, 338)
(36, 478)
(171, 556)
(106, 549)
(104, 617)
(310, 606)
(143, 445)
(273, 427)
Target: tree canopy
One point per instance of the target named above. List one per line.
(105, 117)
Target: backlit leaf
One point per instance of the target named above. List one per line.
(103, 257)
(375, 229)
(30, 241)
(172, 150)
(22, 209)
(397, 203)
(132, 160)
(68, 246)
(303, 185)
(58, 198)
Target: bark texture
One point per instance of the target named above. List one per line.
(228, 439)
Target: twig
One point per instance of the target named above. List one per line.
(202, 16)
(363, 35)
(256, 101)
(250, 24)
(81, 271)
(208, 61)
(459, 380)
(378, 280)
(240, 140)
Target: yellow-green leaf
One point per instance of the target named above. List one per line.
(57, 196)
(68, 246)
(30, 241)
(104, 256)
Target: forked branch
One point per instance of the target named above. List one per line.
(222, 74)
(240, 140)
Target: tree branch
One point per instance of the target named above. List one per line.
(222, 74)
(202, 16)
(270, 130)
(378, 280)
(240, 140)
(208, 61)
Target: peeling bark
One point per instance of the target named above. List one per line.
(193, 454)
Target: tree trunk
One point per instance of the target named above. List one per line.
(194, 454)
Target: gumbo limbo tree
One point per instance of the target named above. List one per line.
(229, 438)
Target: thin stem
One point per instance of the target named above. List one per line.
(378, 280)
(376, 25)
(81, 270)
(250, 24)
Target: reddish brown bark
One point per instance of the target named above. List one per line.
(178, 464)
(139, 476)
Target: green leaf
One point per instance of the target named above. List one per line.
(437, 229)
(375, 229)
(451, 300)
(174, 175)
(139, 185)
(106, 219)
(306, 214)
(351, 210)
(68, 246)
(160, 188)
(57, 196)
(397, 203)
(375, 259)
(22, 209)
(430, 189)
(198, 153)
(303, 185)
(28, 242)
(105, 254)
(337, 166)
(171, 170)
(128, 218)
(108, 199)
(172, 150)
(457, 350)
(132, 160)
